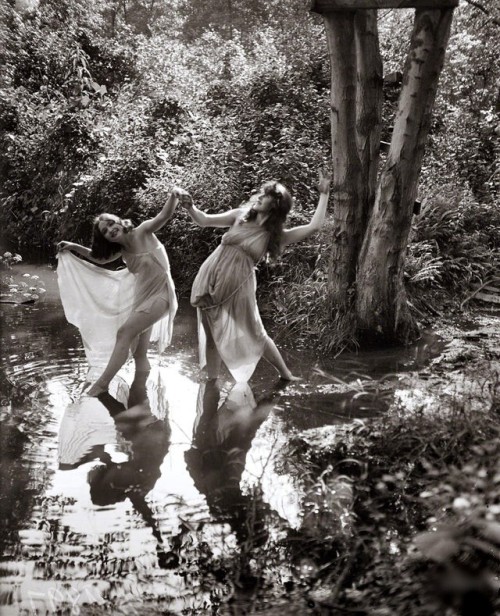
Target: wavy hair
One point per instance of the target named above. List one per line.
(100, 247)
(281, 205)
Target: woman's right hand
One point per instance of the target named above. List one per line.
(185, 199)
(324, 182)
(62, 246)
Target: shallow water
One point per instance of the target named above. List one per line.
(171, 506)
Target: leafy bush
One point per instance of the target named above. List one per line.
(455, 243)
(40, 173)
(433, 470)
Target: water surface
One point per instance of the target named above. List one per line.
(173, 505)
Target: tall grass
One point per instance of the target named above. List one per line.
(297, 300)
(454, 246)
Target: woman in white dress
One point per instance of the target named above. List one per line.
(154, 293)
(224, 290)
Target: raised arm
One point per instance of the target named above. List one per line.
(226, 219)
(297, 234)
(154, 224)
(86, 252)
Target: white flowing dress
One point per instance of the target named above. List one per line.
(98, 301)
(224, 291)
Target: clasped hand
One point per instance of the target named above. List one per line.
(185, 199)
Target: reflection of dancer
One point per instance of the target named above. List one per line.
(154, 296)
(224, 289)
(149, 439)
(86, 428)
(222, 436)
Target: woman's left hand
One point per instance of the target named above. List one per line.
(179, 192)
(185, 199)
(324, 182)
(62, 246)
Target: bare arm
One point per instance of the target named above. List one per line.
(86, 252)
(226, 219)
(156, 223)
(297, 234)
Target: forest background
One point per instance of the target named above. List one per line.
(105, 105)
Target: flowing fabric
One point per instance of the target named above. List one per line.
(99, 301)
(86, 425)
(153, 282)
(224, 292)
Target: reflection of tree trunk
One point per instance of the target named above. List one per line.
(138, 500)
(347, 172)
(381, 298)
(124, 6)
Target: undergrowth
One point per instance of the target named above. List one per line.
(453, 249)
(434, 471)
(295, 299)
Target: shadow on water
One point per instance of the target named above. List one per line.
(167, 495)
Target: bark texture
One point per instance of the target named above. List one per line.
(381, 300)
(356, 108)
(368, 106)
(347, 173)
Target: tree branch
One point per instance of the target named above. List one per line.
(484, 10)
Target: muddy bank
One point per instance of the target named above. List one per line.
(421, 532)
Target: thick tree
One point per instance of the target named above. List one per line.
(372, 221)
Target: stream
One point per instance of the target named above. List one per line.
(171, 506)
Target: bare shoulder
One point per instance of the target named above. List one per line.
(142, 238)
(237, 214)
(141, 228)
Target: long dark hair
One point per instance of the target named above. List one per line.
(281, 205)
(100, 247)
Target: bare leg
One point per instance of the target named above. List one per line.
(141, 352)
(213, 357)
(135, 325)
(273, 356)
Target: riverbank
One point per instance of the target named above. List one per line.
(430, 464)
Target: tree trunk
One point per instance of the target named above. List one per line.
(347, 173)
(381, 308)
(369, 96)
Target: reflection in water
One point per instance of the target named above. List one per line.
(93, 493)
(148, 439)
(222, 436)
(86, 428)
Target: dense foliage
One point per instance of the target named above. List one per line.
(405, 488)
(104, 106)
